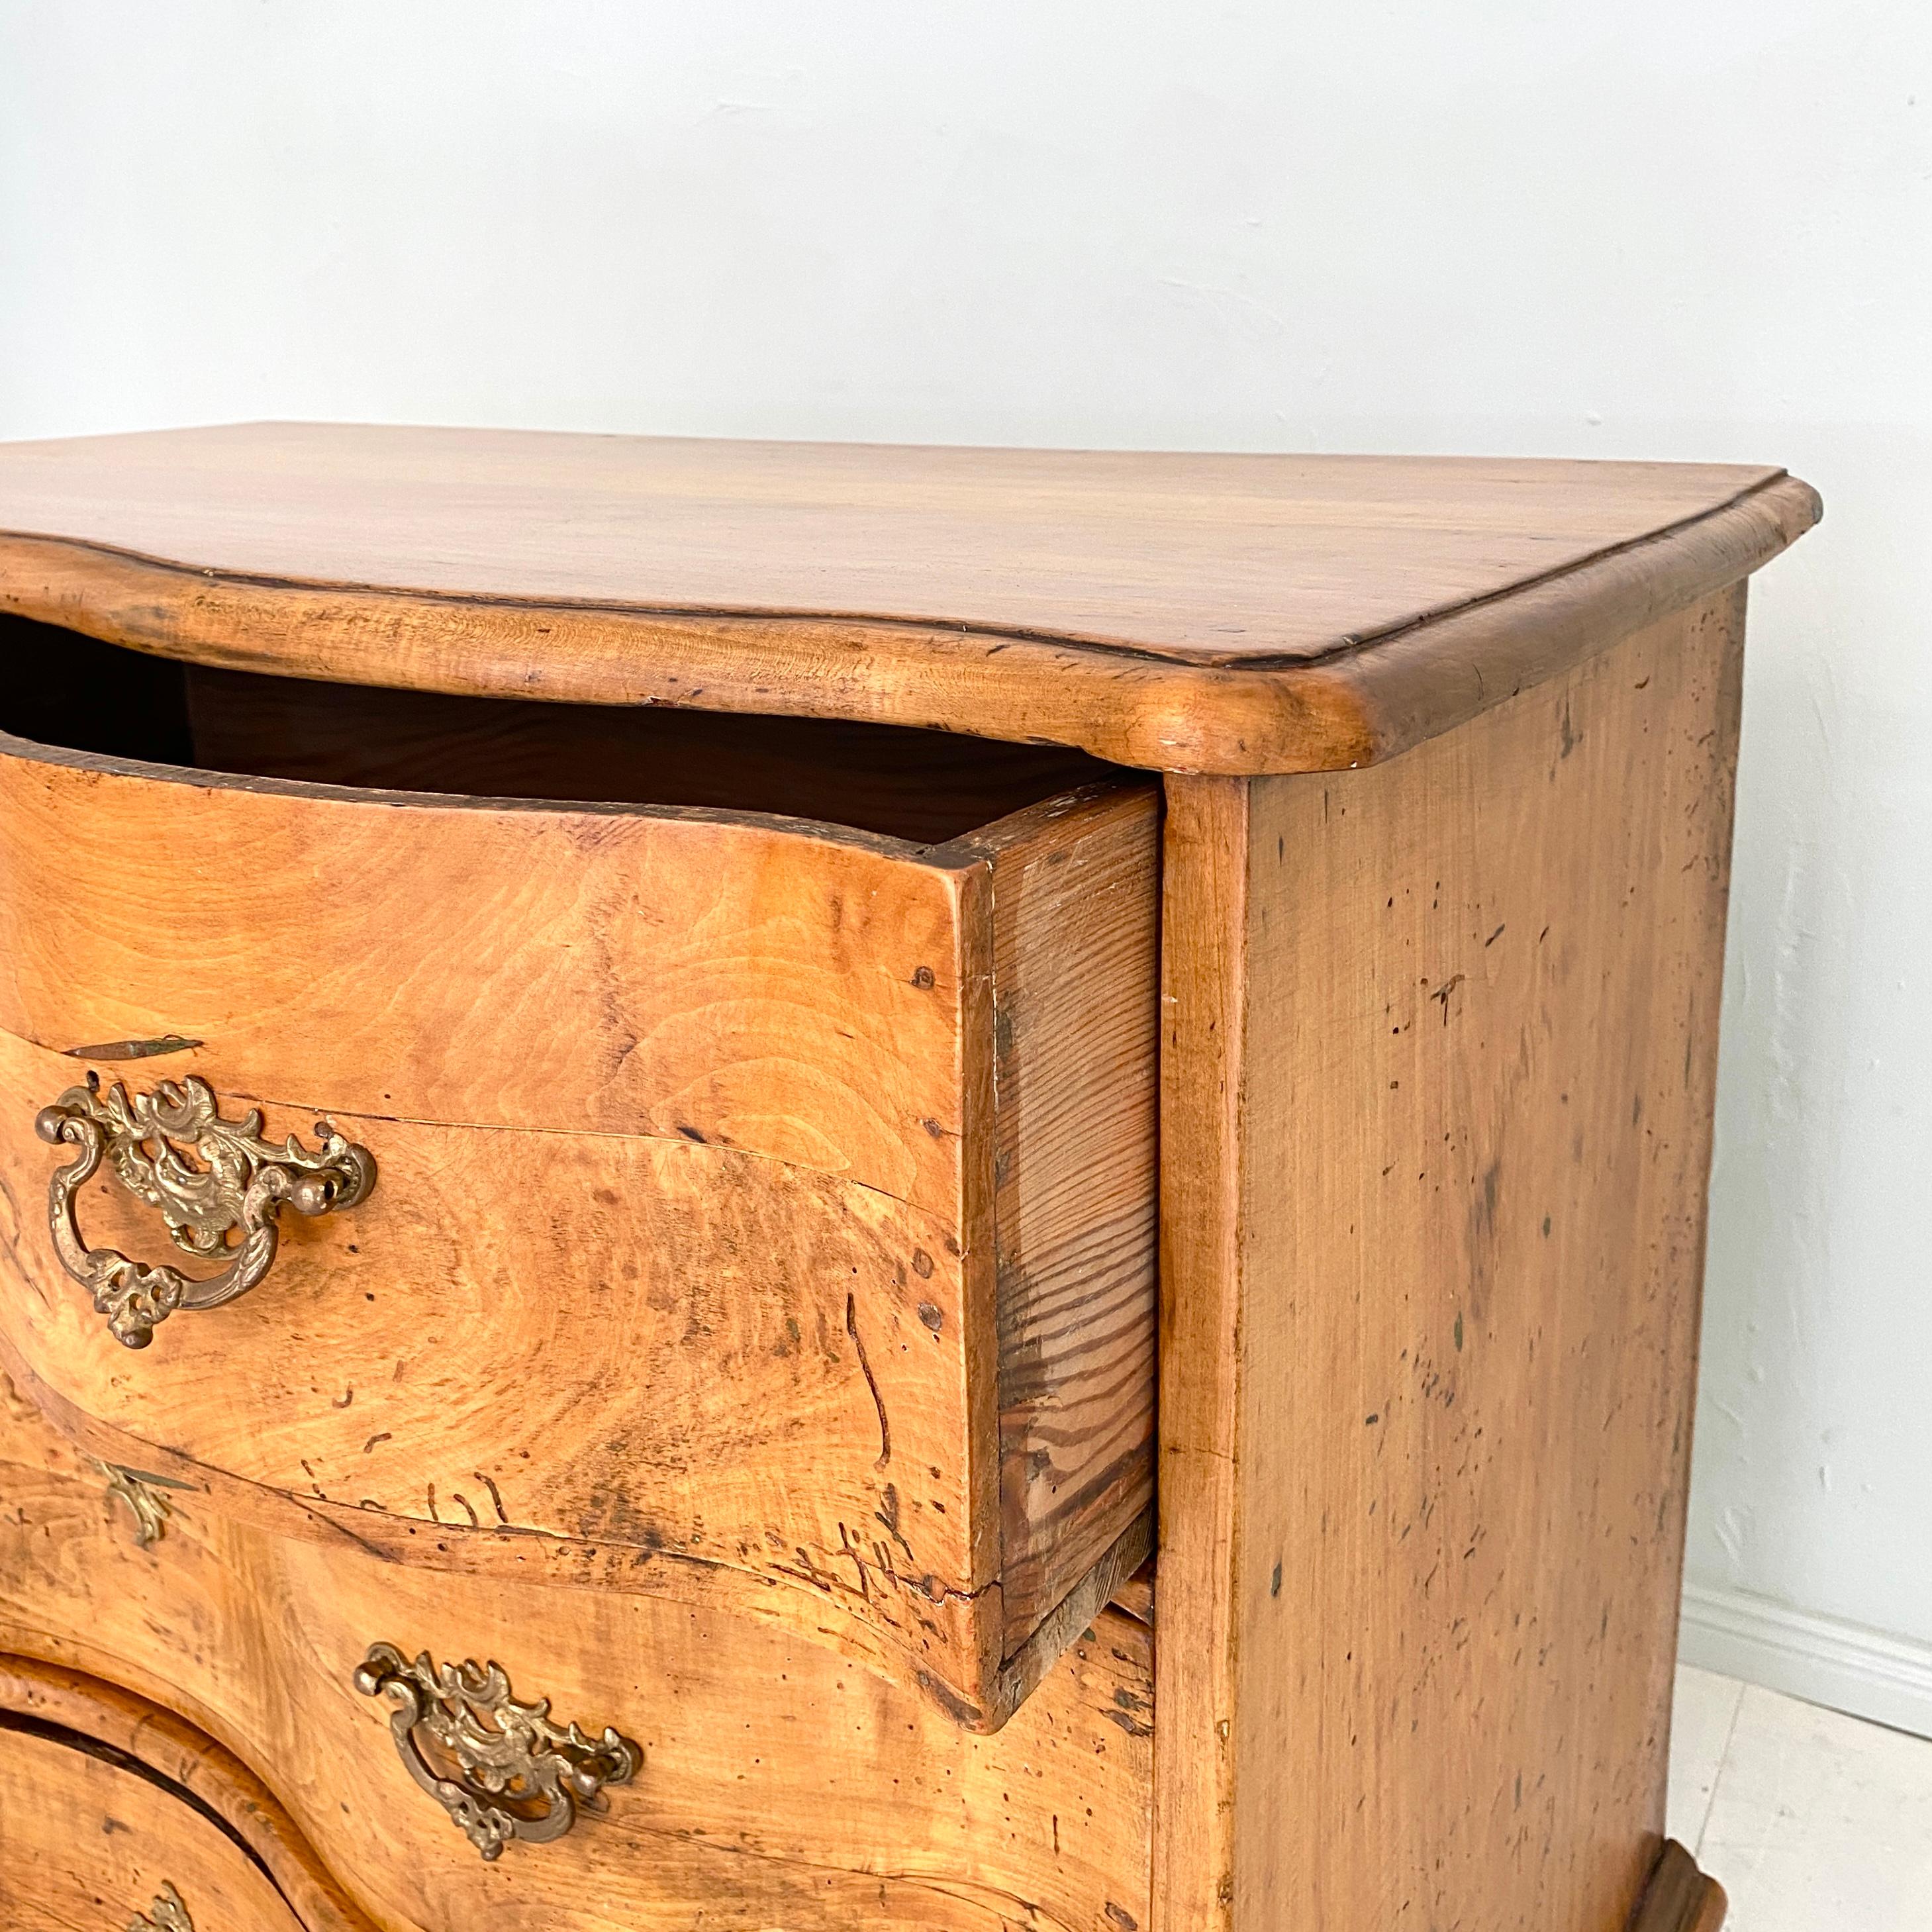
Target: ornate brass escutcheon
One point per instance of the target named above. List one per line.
(516, 1774)
(211, 1179)
(167, 1914)
(148, 1504)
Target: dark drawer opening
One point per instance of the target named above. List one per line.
(63, 688)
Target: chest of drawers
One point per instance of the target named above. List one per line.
(813, 1187)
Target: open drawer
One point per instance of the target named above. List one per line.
(737, 1185)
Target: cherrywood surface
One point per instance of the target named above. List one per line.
(816, 1244)
(87, 1843)
(780, 1785)
(1438, 1053)
(1227, 613)
(160, 1746)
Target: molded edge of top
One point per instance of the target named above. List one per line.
(1359, 703)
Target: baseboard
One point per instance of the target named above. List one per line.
(1843, 1665)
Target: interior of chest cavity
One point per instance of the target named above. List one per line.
(58, 687)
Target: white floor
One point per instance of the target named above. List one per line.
(1811, 1821)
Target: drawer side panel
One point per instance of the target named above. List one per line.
(1076, 1040)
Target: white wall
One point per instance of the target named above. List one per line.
(1657, 228)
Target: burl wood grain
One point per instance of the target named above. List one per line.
(754, 1197)
(1227, 613)
(780, 1785)
(158, 1746)
(790, 991)
(1438, 1063)
(85, 1842)
(694, 1356)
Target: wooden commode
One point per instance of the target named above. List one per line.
(818, 1187)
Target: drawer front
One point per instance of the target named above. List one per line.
(200, 1794)
(790, 991)
(774, 1783)
(85, 1840)
(763, 1214)
(653, 1351)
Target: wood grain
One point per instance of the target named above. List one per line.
(792, 991)
(1436, 1051)
(780, 1785)
(755, 1392)
(1439, 1052)
(86, 1842)
(162, 1747)
(1198, 613)
(1135, 1596)
(1076, 1040)
(695, 1357)
(1679, 1897)
(1204, 1008)
(735, 1304)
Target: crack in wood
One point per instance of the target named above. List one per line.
(885, 1456)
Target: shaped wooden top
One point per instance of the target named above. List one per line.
(1203, 613)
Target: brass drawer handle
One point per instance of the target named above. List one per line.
(517, 1774)
(240, 1183)
(167, 1914)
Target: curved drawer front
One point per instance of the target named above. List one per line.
(201, 1794)
(791, 990)
(86, 1839)
(658, 1354)
(773, 1783)
(761, 1213)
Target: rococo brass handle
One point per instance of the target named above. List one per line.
(237, 1183)
(516, 1774)
(167, 1914)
